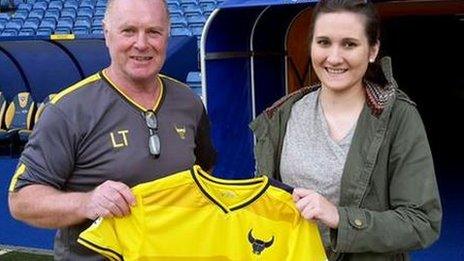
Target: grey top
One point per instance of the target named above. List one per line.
(310, 157)
(91, 133)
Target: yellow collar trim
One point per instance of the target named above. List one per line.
(158, 100)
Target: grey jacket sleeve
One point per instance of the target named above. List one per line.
(413, 219)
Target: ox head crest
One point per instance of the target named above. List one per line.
(258, 244)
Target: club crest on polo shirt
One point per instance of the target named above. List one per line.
(258, 244)
(181, 131)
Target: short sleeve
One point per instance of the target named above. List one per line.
(48, 157)
(101, 237)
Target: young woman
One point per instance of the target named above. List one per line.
(354, 146)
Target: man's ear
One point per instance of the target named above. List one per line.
(105, 31)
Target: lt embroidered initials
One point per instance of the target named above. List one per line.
(120, 142)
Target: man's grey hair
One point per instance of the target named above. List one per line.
(110, 3)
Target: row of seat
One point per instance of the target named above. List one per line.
(18, 117)
(194, 81)
(46, 17)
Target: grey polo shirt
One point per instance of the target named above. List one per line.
(91, 132)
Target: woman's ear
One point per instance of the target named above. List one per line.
(374, 51)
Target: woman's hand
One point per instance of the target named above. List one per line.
(313, 206)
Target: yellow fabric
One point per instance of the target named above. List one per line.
(60, 95)
(29, 116)
(155, 106)
(2, 112)
(193, 216)
(9, 115)
(41, 107)
(19, 171)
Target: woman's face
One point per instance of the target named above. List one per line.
(340, 51)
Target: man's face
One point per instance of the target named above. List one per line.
(136, 34)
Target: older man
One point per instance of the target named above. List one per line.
(120, 127)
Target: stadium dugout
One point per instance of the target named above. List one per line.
(254, 51)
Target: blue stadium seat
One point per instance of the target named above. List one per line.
(87, 4)
(73, 4)
(194, 81)
(26, 32)
(40, 6)
(97, 22)
(193, 11)
(173, 4)
(179, 21)
(9, 32)
(80, 30)
(180, 31)
(68, 12)
(84, 12)
(64, 23)
(37, 13)
(196, 30)
(82, 24)
(196, 20)
(48, 23)
(24, 6)
(206, 14)
(101, 3)
(20, 14)
(42, 31)
(4, 17)
(186, 4)
(17, 2)
(14, 24)
(99, 12)
(62, 30)
(175, 9)
(31, 24)
(55, 4)
(52, 13)
(97, 31)
(208, 5)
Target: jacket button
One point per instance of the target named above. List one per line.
(358, 222)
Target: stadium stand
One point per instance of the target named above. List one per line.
(194, 81)
(46, 17)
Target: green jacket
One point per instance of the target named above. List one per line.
(389, 201)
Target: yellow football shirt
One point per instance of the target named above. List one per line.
(192, 215)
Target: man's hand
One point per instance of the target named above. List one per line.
(110, 199)
(313, 206)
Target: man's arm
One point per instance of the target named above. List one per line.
(47, 207)
(204, 150)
